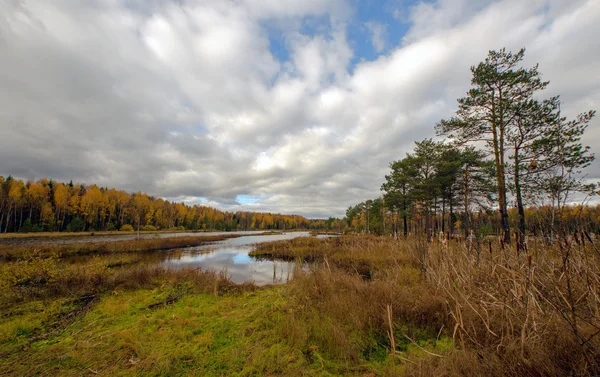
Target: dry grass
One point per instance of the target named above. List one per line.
(13, 252)
(365, 255)
(339, 307)
(534, 314)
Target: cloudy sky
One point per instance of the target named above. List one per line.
(292, 106)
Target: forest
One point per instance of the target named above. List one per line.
(47, 205)
(510, 164)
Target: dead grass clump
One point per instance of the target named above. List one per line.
(345, 315)
(366, 255)
(200, 281)
(531, 314)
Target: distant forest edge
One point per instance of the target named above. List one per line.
(511, 164)
(47, 205)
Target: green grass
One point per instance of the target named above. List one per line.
(239, 334)
(199, 334)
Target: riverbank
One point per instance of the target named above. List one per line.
(47, 246)
(12, 252)
(38, 235)
(71, 238)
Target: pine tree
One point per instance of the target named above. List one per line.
(500, 91)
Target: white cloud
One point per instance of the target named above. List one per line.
(187, 101)
(378, 35)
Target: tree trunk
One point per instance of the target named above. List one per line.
(395, 230)
(434, 226)
(521, 232)
(466, 203)
(367, 219)
(3, 213)
(451, 220)
(443, 215)
(503, 203)
(383, 214)
(498, 144)
(428, 223)
(8, 219)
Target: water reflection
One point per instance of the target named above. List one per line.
(231, 258)
(235, 263)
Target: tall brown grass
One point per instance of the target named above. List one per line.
(528, 314)
(339, 304)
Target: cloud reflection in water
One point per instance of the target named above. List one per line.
(231, 257)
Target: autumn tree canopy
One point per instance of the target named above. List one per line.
(46, 205)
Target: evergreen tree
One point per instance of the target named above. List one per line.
(556, 173)
(500, 90)
(398, 188)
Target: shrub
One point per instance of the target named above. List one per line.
(150, 228)
(176, 228)
(126, 228)
(76, 225)
(26, 228)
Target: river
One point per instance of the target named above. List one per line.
(231, 257)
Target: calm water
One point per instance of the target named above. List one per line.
(231, 258)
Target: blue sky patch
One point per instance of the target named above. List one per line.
(391, 15)
(247, 199)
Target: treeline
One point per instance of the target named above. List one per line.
(46, 205)
(505, 149)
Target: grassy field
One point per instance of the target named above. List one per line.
(365, 306)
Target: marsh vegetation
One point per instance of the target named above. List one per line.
(366, 305)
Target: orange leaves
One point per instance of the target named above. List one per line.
(105, 209)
